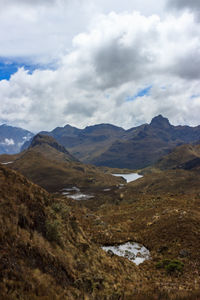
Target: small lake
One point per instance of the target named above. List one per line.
(7, 163)
(135, 252)
(80, 196)
(74, 193)
(129, 177)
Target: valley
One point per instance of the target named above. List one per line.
(71, 230)
(99, 150)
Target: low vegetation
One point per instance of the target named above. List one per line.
(170, 266)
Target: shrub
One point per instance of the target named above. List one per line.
(170, 266)
(52, 231)
(173, 266)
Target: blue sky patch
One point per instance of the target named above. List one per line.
(195, 96)
(8, 68)
(141, 93)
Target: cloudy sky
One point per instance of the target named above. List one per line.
(84, 62)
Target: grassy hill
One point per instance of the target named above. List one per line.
(180, 157)
(44, 253)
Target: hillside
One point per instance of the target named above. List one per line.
(51, 149)
(45, 254)
(50, 245)
(50, 165)
(182, 157)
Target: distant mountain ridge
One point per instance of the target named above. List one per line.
(84, 143)
(135, 148)
(147, 145)
(12, 138)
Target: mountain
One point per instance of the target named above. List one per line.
(85, 143)
(88, 142)
(12, 138)
(145, 146)
(185, 157)
(51, 166)
(50, 148)
(112, 146)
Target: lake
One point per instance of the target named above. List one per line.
(135, 252)
(129, 177)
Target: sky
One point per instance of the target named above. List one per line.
(86, 62)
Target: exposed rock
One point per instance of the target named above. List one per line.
(110, 253)
(183, 253)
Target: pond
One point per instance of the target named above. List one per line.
(135, 252)
(6, 163)
(74, 193)
(129, 177)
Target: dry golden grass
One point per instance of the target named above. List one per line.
(60, 264)
(50, 246)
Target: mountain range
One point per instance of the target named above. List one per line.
(109, 145)
(112, 146)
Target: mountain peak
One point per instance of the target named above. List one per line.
(41, 139)
(160, 121)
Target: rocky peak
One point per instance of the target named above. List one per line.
(160, 121)
(41, 139)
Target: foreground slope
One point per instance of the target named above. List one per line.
(50, 247)
(44, 253)
(162, 212)
(51, 166)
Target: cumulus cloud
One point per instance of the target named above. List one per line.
(118, 56)
(27, 2)
(8, 142)
(39, 32)
(180, 4)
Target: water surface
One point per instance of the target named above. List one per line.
(129, 177)
(135, 252)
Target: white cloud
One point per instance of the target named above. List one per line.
(119, 55)
(8, 142)
(40, 31)
(181, 4)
